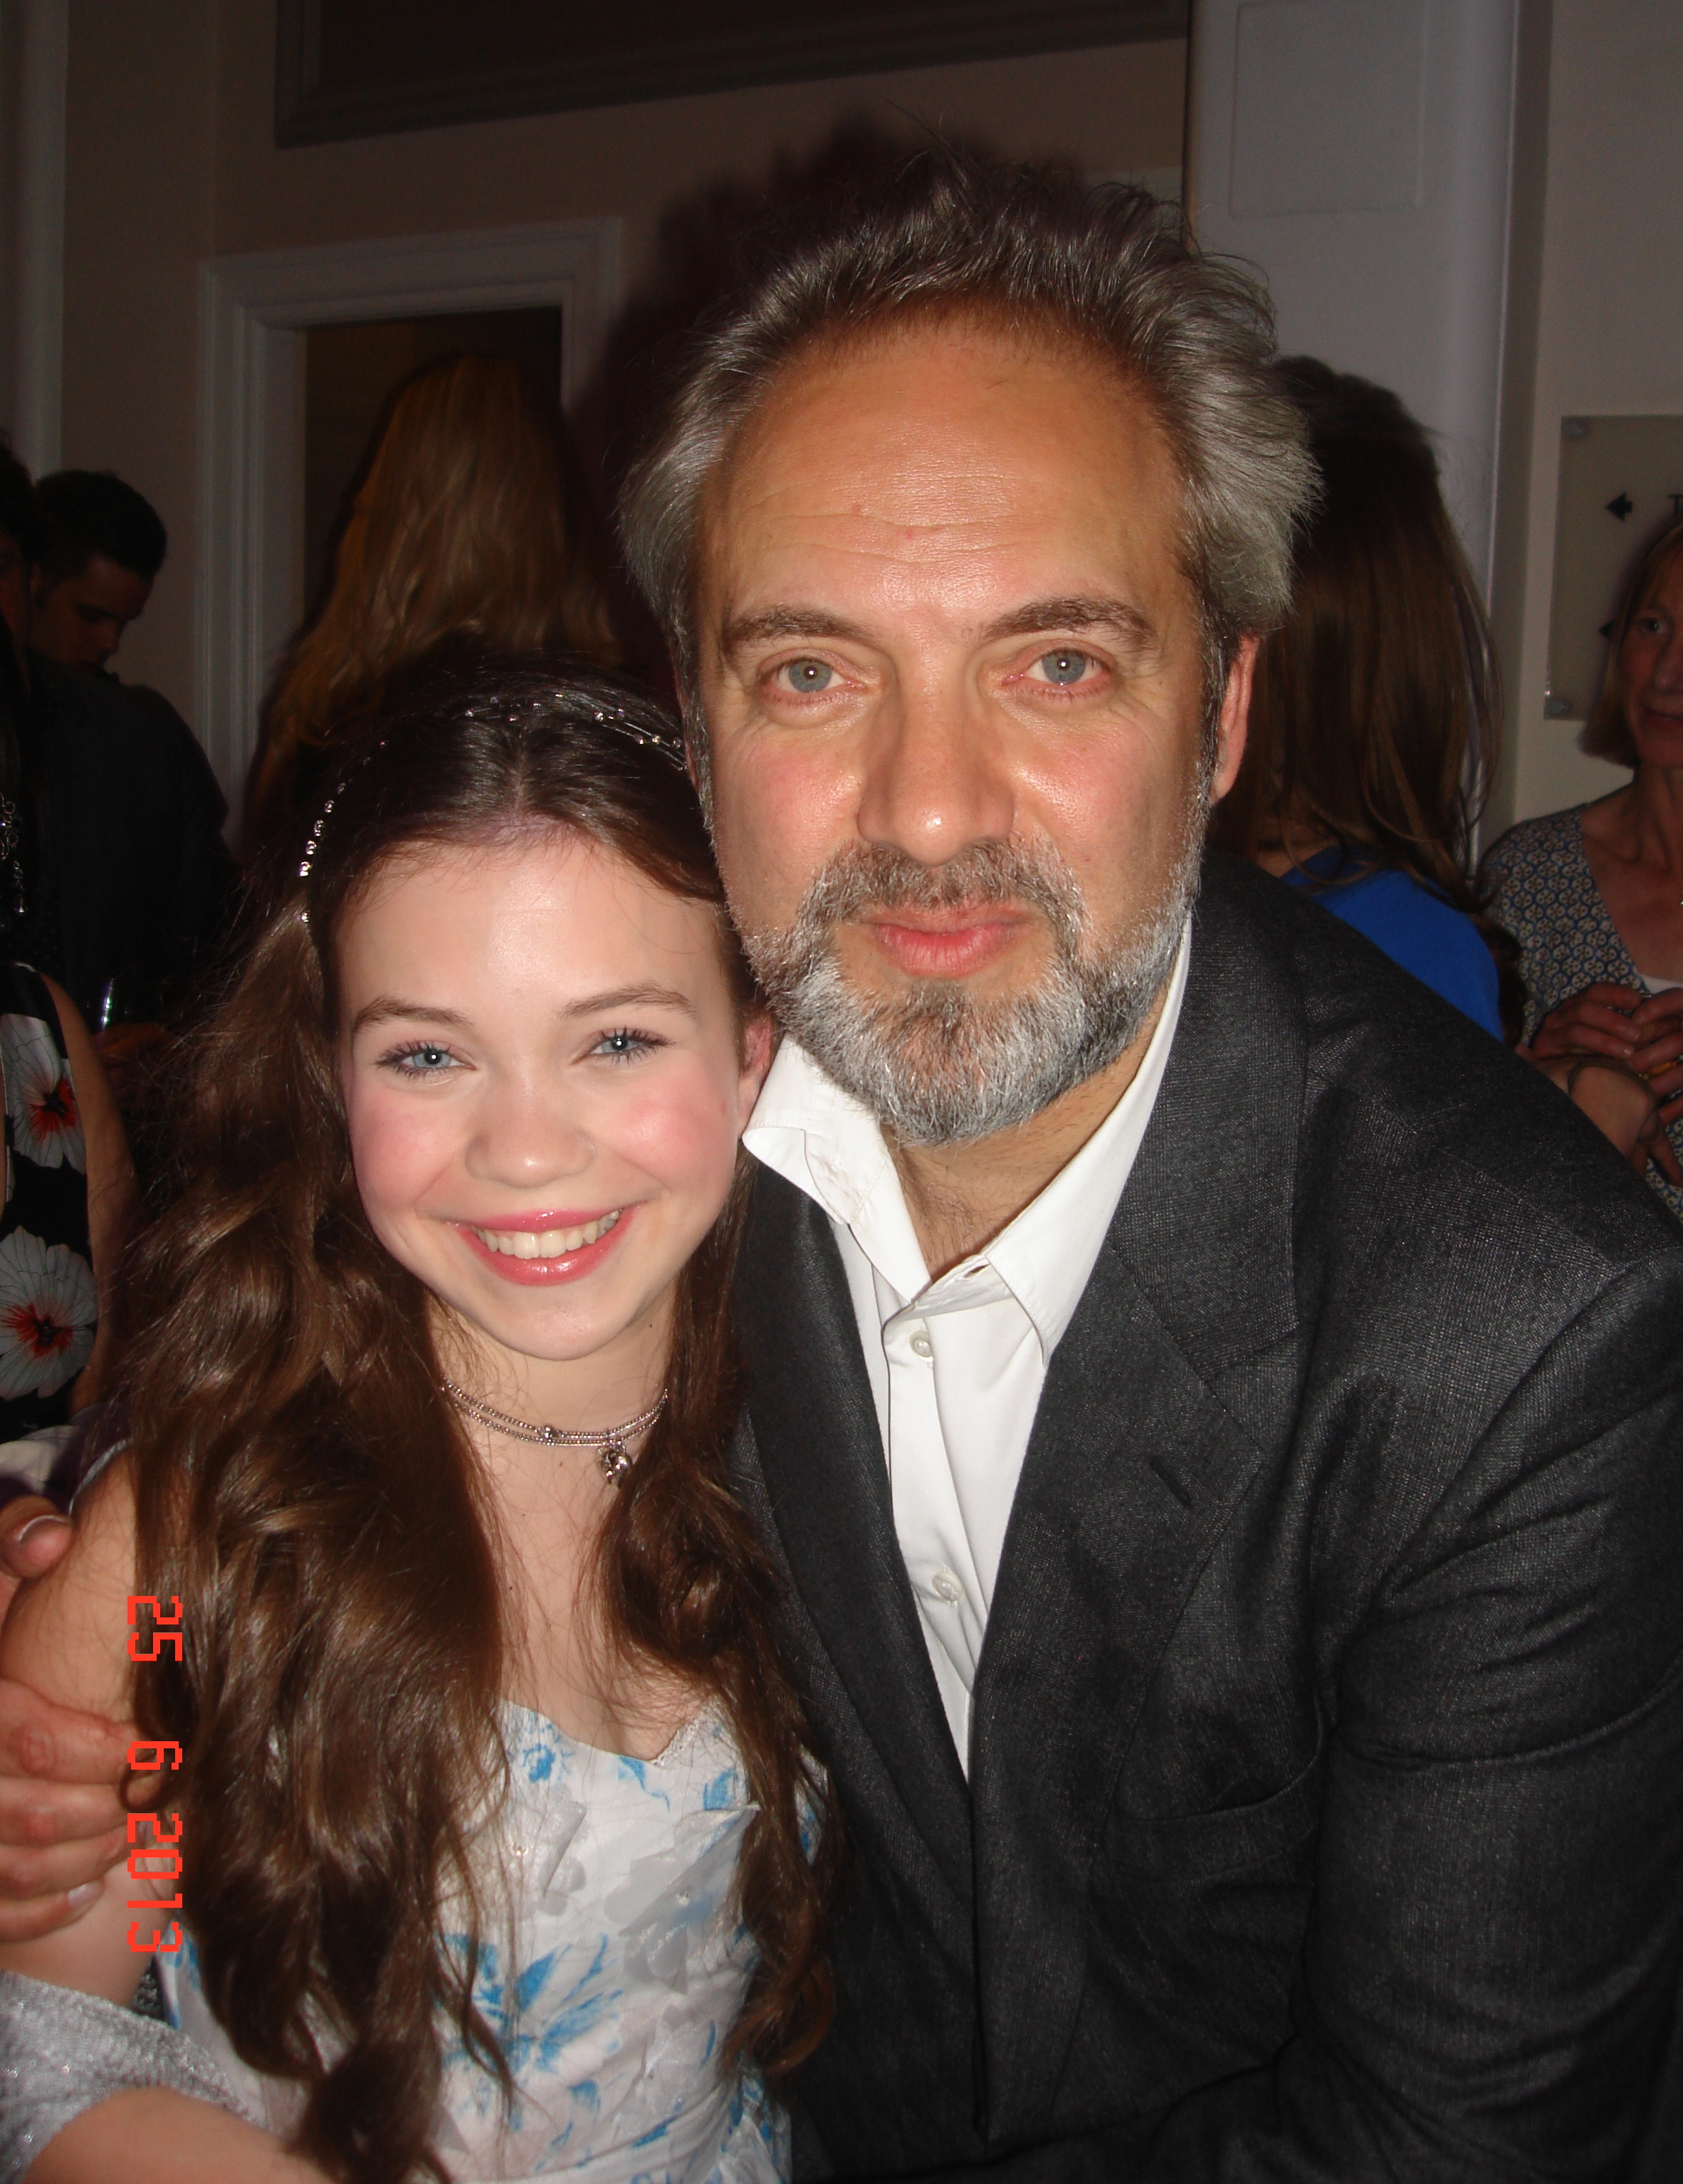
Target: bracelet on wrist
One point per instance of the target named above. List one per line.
(1608, 1062)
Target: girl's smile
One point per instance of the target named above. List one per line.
(549, 1247)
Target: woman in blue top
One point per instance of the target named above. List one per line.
(1376, 704)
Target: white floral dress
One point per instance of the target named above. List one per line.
(49, 1307)
(619, 1970)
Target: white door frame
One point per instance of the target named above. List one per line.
(253, 312)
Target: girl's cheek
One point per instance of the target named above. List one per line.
(393, 1146)
(681, 1132)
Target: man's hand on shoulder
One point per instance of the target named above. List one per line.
(61, 1824)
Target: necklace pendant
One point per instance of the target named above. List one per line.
(547, 1437)
(615, 1462)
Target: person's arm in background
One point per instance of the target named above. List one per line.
(1622, 1104)
(206, 894)
(113, 1200)
(1587, 1042)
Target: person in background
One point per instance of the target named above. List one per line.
(131, 886)
(70, 1183)
(1376, 704)
(102, 544)
(1594, 896)
(19, 544)
(472, 531)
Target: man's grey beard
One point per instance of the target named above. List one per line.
(937, 1066)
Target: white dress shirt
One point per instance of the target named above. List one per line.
(957, 1365)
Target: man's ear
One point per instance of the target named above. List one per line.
(759, 1043)
(1235, 715)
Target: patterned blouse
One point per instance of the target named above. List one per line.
(1546, 896)
(49, 1306)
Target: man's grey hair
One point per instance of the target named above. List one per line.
(1036, 249)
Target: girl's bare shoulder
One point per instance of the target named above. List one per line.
(66, 1636)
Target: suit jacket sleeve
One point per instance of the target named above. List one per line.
(1491, 1974)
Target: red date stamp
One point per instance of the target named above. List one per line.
(152, 1758)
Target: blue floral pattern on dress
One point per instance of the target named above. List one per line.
(611, 1974)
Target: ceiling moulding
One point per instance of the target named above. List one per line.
(383, 65)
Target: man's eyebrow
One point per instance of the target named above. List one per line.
(384, 1007)
(631, 997)
(1079, 612)
(771, 622)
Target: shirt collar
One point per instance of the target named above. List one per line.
(828, 1143)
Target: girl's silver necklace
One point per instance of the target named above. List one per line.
(608, 1440)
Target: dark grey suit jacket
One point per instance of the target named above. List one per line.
(1325, 1809)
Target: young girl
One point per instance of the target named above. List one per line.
(493, 1815)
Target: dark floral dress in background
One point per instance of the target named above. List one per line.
(48, 1303)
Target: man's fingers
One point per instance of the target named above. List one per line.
(34, 1534)
(35, 1816)
(1584, 1036)
(39, 1739)
(28, 1922)
(28, 1875)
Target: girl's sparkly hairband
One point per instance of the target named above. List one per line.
(339, 788)
(609, 717)
(614, 716)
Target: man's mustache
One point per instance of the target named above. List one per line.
(876, 877)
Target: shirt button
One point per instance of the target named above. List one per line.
(922, 1346)
(945, 1586)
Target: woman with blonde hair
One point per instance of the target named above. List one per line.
(473, 531)
(1594, 896)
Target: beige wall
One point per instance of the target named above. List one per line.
(1610, 327)
(139, 144)
(171, 157)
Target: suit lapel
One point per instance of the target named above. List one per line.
(826, 1479)
(1147, 1436)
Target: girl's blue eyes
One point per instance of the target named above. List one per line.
(426, 1059)
(422, 1060)
(625, 1045)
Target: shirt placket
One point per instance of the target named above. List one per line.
(928, 1516)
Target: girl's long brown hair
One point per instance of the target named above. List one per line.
(305, 1488)
(1377, 704)
(472, 532)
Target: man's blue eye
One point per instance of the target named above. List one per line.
(809, 676)
(1063, 667)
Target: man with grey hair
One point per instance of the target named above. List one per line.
(1217, 1418)
(1217, 1415)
